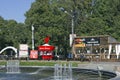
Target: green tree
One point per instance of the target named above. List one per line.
(91, 17)
(2, 32)
(47, 20)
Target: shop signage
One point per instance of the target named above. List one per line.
(88, 41)
(93, 41)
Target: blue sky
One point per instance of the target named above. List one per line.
(14, 9)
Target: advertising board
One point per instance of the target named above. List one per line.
(23, 47)
(23, 50)
(23, 53)
(33, 54)
(82, 42)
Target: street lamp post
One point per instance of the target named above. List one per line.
(33, 37)
(72, 24)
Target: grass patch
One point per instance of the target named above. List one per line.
(50, 63)
(27, 63)
(3, 62)
(44, 63)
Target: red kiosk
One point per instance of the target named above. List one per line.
(46, 50)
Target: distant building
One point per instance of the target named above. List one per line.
(104, 46)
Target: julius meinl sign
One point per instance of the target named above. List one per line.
(91, 41)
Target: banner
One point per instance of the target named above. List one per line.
(71, 36)
(117, 49)
(23, 47)
(23, 52)
(110, 48)
(33, 54)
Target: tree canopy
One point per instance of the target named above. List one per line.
(49, 18)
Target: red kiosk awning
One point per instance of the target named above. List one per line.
(46, 47)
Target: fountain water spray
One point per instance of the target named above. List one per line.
(99, 72)
(63, 72)
(13, 66)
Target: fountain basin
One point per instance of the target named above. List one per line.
(47, 73)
